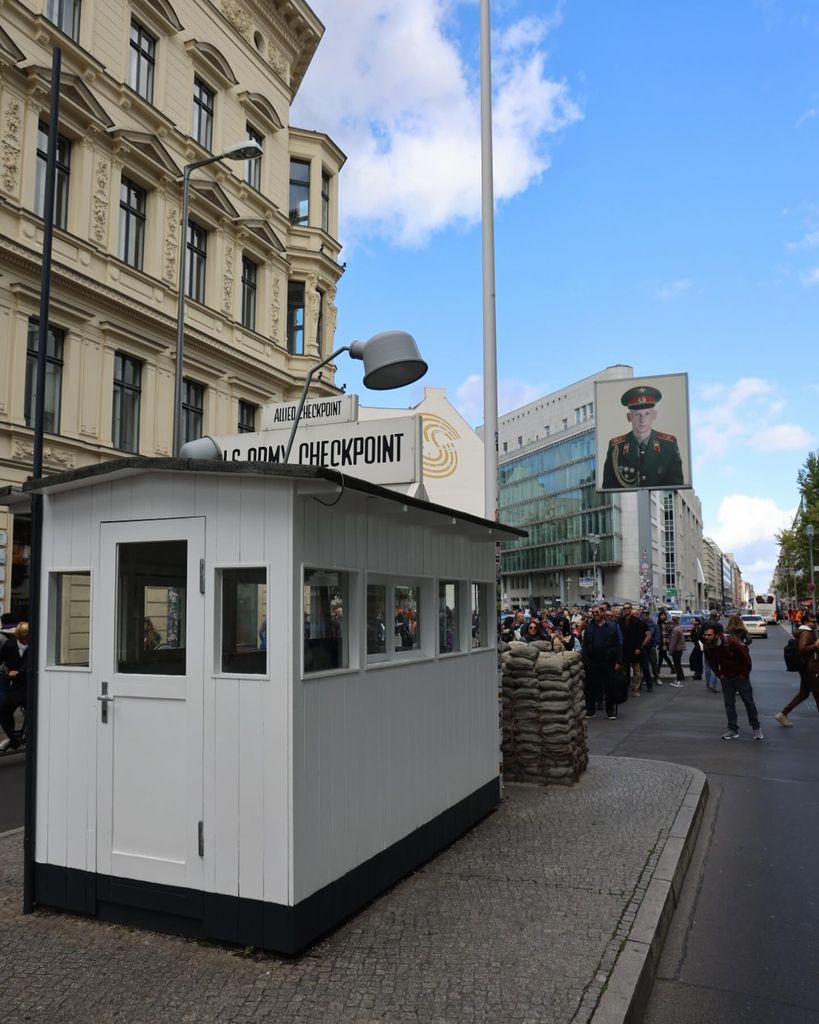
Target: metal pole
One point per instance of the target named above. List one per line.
(490, 352)
(29, 833)
(180, 313)
(307, 381)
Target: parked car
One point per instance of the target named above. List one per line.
(755, 625)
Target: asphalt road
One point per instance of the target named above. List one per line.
(744, 942)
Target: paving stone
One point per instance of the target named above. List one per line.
(519, 921)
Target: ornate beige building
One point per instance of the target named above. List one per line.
(149, 86)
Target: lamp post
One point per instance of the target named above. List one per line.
(810, 530)
(238, 151)
(594, 543)
(391, 360)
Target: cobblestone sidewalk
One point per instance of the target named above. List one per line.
(520, 921)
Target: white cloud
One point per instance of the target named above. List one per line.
(512, 393)
(808, 115)
(743, 520)
(393, 89)
(810, 276)
(669, 291)
(783, 437)
(808, 241)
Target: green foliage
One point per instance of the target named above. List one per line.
(794, 547)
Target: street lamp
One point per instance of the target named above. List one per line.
(810, 530)
(391, 360)
(247, 150)
(594, 543)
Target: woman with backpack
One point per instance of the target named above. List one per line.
(807, 643)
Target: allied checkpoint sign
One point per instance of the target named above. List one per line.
(334, 409)
(643, 433)
(387, 451)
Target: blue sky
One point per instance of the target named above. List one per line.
(657, 203)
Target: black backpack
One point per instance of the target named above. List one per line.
(792, 660)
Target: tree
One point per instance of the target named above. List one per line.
(794, 549)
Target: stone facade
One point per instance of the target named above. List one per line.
(119, 130)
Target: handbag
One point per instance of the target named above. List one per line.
(619, 687)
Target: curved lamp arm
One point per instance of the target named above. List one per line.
(307, 381)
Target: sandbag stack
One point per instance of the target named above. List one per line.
(544, 713)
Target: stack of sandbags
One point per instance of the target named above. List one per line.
(544, 713)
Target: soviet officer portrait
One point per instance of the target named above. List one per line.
(644, 457)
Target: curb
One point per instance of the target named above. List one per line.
(629, 985)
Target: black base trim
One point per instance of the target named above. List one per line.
(246, 922)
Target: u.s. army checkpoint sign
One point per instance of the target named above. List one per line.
(387, 451)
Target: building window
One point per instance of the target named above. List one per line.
(326, 645)
(244, 621)
(65, 14)
(480, 614)
(299, 191)
(449, 615)
(295, 318)
(253, 168)
(127, 394)
(202, 113)
(197, 257)
(53, 381)
(250, 273)
(62, 178)
(193, 407)
(152, 585)
(394, 616)
(142, 58)
(131, 223)
(247, 417)
(69, 600)
(325, 201)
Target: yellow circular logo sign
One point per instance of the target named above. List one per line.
(440, 454)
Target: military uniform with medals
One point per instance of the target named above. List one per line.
(653, 462)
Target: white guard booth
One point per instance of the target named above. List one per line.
(266, 693)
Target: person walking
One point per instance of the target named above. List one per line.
(807, 640)
(14, 655)
(736, 627)
(731, 661)
(695, 658)
(665, 625)
(648, 654)
(676, 646)
(634, 635)
(602, 656)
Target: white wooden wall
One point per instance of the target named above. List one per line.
(246, 759)
(379, 752)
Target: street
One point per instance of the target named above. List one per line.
(743, 943)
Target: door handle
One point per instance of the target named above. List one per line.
(105, 699)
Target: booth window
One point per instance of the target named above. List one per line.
(244, 621)
(393, 619)
(152, 587)
(481, 615)
(70, 618)
(449, 615)
(325, 625)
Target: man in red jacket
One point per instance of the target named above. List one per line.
(730, 660)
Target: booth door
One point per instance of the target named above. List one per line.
(149, 625)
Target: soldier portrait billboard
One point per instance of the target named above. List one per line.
(643, 439)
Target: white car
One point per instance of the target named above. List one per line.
(755, 625)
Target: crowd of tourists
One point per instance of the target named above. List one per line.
(626, 651)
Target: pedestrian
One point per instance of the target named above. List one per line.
(807, 640)
(676, 647)
(634, 634)
(695, 658)
(731, 662)
(736, 627)
(648, 655)
(532, 632)
(602, 657)
(14, 656)
(665, 626)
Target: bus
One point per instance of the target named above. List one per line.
(765, 605)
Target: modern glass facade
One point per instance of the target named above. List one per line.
(550, 492)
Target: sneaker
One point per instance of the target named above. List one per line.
(714, 689)
(613, 717)
(5, 745)
(732, 734)
(758, 734)
(783, 719)
(590, 714)
(659, 681)
(675, 683)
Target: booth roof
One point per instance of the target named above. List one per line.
(18, 499)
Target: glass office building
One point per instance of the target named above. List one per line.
(549, 491)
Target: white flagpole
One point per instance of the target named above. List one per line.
(490, 353)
